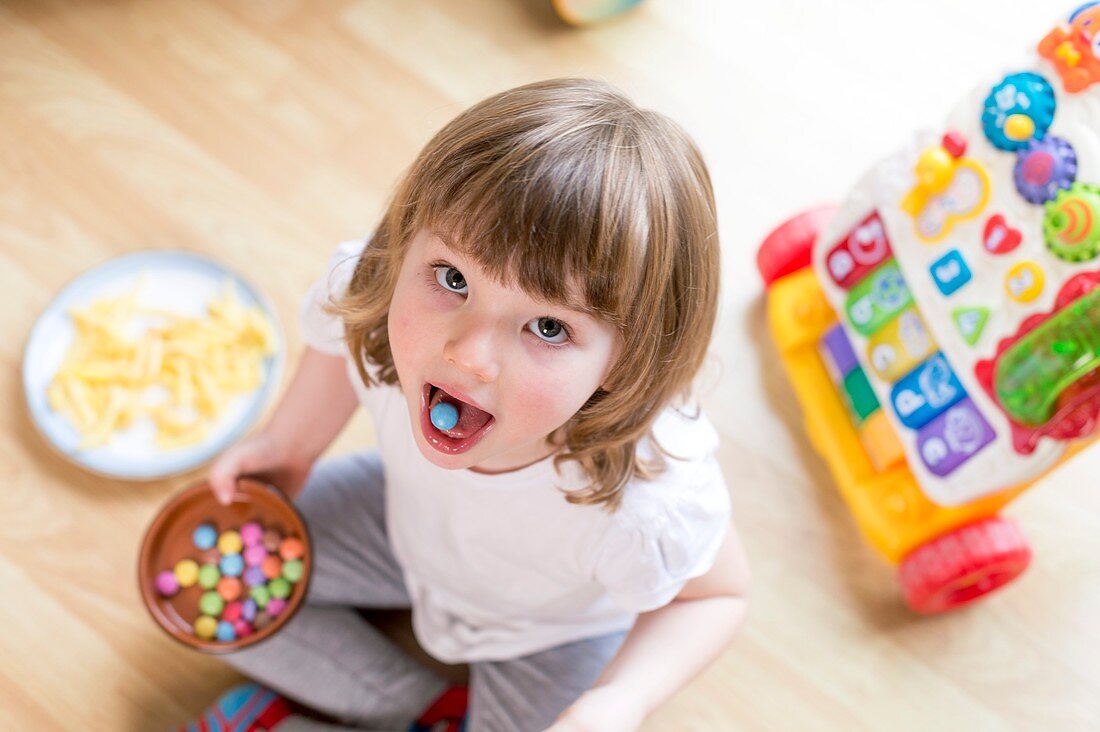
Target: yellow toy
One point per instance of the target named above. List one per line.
(942, 329)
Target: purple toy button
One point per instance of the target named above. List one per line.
(836, 350)
(954, 437)
(1045, 167)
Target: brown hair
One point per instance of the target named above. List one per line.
(552, 183)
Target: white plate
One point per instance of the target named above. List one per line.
(179, 281)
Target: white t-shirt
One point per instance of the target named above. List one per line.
(501, 566)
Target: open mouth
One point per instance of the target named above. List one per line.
(472, 424)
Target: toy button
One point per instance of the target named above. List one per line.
(877, 298)
(948, 190)
(836, 351)
(1072, 223)
(954, 437)
(999, 237)
(1044, 168)
(1018, 109)
(1074, 48)
(861, 397)
(865, 247)
(925, 392)
(880, 442)
(900, 345)
(970, 322)
(1024, 281)
(950, 272)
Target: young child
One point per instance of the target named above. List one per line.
(548, 268)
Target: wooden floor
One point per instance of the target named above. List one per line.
(264, 131)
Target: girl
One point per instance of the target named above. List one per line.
(547, 271)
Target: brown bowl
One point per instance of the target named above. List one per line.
(169, 539)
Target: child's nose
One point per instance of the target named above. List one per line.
(472, 350)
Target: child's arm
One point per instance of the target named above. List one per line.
(315, 407)
(666, 648)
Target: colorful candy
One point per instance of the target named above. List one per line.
(205, 627)
(226, 632)
(209, 576)
(233, 612)
(271, 540)
(254, 576)
(232, 565)
(204, 536)
(167, 584)
(276, 606)
(252, 533)
(229, 588)
(272, 567)
(246, 576)
(211, 603)
(230, 543)
(254, 555)
(187, 572)
(292, 570)
(260, 595)
(291, 548)
(279, 588)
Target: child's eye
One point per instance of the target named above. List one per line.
(450, 279)
(549, 330)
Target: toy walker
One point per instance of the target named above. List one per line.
(942, 327)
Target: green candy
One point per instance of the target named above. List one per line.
(260, 595)
(211, 604)
(292, 570)
(209, 576)
(279, 588)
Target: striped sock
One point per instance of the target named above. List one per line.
(244, 708)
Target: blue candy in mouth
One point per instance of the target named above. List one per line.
(444, 415)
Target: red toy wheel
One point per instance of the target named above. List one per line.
(959, 567)
(788, 248)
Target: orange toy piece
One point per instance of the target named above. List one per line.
(1074, 49)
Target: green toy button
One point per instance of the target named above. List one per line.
(970, 322)
(861, 397)
(877, 298)
(1072, 223)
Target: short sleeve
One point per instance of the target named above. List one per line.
(670, 534)
(322, 330)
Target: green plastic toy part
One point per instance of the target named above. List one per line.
(1034, 371)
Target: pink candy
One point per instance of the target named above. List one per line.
(167, 584)
(252, 534)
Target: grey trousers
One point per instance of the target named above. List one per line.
(330, 659)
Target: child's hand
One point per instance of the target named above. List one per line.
(601, 709)
(263, 457)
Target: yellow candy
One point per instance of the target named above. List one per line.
(230, 543)
(187, 572)
(206, 627)
(1019, 127)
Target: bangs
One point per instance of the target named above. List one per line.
(561, 218)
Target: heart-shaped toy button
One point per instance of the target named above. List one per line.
(999, 237)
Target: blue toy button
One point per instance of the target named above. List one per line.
(950, 272)
(925, 392)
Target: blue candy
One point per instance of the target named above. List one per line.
(232, 565)
(225, 632)
(205, 536)
(444, 415)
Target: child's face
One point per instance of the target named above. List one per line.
(529, 364)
